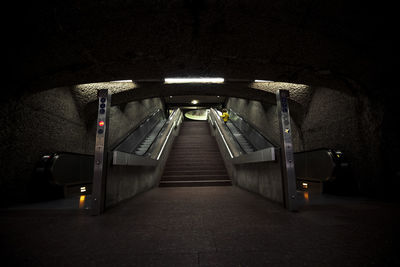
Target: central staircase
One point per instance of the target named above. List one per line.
(195, 159)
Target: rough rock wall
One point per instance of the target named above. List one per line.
(351, 124)
(51, 121)
(332, 119)
(35, 125)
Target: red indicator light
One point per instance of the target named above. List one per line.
(101, 123)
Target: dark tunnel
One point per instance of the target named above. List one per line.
(336, 60)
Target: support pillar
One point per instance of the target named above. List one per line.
(100, 153)
(287, 158)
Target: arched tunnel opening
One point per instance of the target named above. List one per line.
(322, 119)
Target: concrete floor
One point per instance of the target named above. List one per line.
(204, 226)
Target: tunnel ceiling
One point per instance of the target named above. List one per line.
(309, 42)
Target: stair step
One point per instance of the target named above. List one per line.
(195, 183)
(193, 166)
(215, 170)
(198, 177)
(194, 172)
(195, 159)
(189, 159)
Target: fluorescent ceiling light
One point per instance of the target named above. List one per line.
(263, 81)
(194, 101)
(194, 80)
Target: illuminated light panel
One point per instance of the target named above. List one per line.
(194, 101)
(83, 189)
(194, 80)
(101, 123)
(263, 81)
(304, 185)
(82, 201)
(306, 196)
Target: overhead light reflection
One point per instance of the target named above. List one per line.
(122, 81)
(263, 81)
(194, 80)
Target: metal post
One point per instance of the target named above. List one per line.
(288, 171)
(100, 153)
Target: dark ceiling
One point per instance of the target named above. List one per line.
(305, 41)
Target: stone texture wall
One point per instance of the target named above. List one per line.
(50, 121)
(35, 125)
(351, 124)
(332, 119)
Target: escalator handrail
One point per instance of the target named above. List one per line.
(263, 155)
(121, 140)
(229, 144)
(158, 133)
(47, 164)
(241, 147)
(254, 128)
(171, 121)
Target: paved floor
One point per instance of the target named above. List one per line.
(204, 226)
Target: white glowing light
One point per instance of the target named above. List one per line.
(122, 81)
(263, 81)
(194, 101)
(83, 189)
(194, 80)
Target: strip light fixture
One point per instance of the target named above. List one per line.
(193, 80)
(122, 81)
(263, 81)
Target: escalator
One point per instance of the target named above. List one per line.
(243, 142)
(322, 170)
(139, 141)
(63, 174)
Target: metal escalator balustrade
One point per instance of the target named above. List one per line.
(61, 175)
(66, 174)
(319, 170)
(255, 140)
(140, 139)
(244, 144)
(143, 147)
(153, 134)
(239, 146)
(323, 171)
